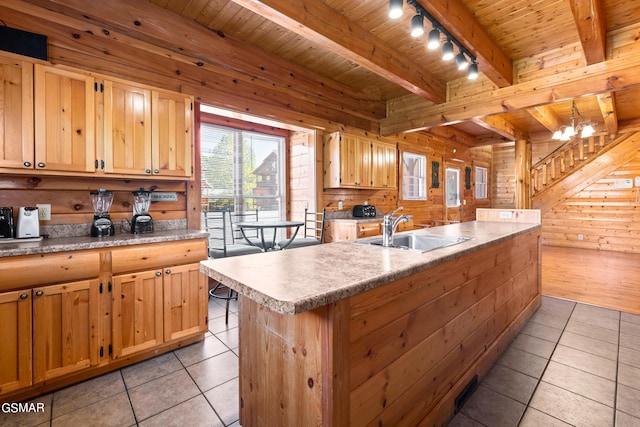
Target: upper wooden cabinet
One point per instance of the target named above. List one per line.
(16, 115)
(64, 120)
(172, 134)
(357, 162)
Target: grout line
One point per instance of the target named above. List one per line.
(615, 388)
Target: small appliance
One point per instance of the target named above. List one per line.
(6, 223)
(364, 211)
(101, 201)
(141, 222)
(28, 225)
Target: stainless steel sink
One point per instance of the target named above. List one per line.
(415, 242)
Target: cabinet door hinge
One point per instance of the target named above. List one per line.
(95, 86)
(100, 287)
(110, 349)
(101, 351)
(192, 106)
(101, 87)
(97, 164)
(109, 287)
(102, 164)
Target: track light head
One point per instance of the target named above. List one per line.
(461, 61)
(447, 51)
(472, 73)
(417, 26)
(395, 9)
(433, 41)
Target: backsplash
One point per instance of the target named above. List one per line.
(79, 230)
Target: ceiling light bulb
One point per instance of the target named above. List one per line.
(447, 51)
(472, 73)
(395, 9)
(417, 26)
(557, 135)
(433, 42)
(569, 132)
(461, 61)
(587, 131)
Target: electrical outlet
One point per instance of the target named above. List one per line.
(580, 237)
(44, 212)
(339, 205)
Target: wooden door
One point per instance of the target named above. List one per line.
(137, 312)
(65, 120)
(172, 135)
(185, 301)
(15, 336)
(453, 194)
(16, 114)
(65, 320)
(127, 134)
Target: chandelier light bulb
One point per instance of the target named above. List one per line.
(587, 131)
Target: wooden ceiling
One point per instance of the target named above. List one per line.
(346, 61)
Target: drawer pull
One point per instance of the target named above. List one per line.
(39, 293)
(41, 165)
(24, 296)
(158, 273)
(167, 271)
(27, 164)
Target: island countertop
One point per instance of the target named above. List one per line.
(298, 280)
(62, 244)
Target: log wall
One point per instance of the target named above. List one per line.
(503, 177)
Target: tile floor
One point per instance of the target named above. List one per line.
(571, 365)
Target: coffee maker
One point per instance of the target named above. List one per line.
(101, 225)
(6, 223)
(141, 222)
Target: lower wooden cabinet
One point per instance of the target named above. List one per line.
(53, 333)
(336, 231)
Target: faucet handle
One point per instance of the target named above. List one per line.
(399, 208)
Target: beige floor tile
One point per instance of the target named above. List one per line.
(150, 369)
(461, 420)
(630, 328)
(542, 331)
(200, 351)
(581, 382)
(114, 411)
(570, 407)
(493, 409)
(229, 337)
(214, 371)
(626, 420)
(587, 362)
(23, 419)
(91, 391)
(195, 412)
(587, 330)
(158, 395)
(590, 345)
(513, 384)
(534, 418)
(629, 376)
(533, 345)
(628, 400)
(524, 362)
(597, 316)
(630, 341)
(557, 307)
(629, 357)
(631, 318)
(225, 400)
(548, 319)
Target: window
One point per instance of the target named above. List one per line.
(481, 182)
(414, 176)
(243, 171)
(453, 187)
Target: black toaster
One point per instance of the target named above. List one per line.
(364, 211)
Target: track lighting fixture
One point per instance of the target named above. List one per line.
(395, 9)
(586, 128)
(433, 41)
(417, 26)
(464, 60)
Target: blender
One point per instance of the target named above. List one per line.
(101, 225)
(141, 222)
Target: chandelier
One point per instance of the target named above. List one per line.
(586, 128)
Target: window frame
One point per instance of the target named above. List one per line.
(421, 178)
(481, 184)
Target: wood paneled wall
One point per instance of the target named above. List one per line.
(503, 177)
(425, 212)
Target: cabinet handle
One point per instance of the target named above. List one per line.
(27, 164)
(39, 293)
(24, 296)
(167, 271)
(41, 165)
(147, 171)
(158, 273)
(156, 171)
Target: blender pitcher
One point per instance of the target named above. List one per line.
(141, 222)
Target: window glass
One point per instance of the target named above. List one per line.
(453, 187)
(481, 182)
(414, 176)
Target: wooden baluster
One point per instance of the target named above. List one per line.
(534, 180)
(581, 150)
(544, 174)
(602, 141)
(562, 166)
(572, 159)
(592, 145)
(553, 169)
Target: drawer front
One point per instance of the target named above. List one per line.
(157, 255)
(32, 270)
(369, 229)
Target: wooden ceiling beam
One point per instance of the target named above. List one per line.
(607, 103)
(462, 24)
(591, 23)
(502, 127)
(546, 116)
(322, 25)
(410, 114)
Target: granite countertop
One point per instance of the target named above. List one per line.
(301, 279)
(62, 244)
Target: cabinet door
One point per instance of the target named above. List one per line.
(16, 114)
(15, 336)
(185, 301)
(65, 120)
(137, 312)
(383, 165)
(65, 320)
(355, 162)
(127, 133)
(172, 146)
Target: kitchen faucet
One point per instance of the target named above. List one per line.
(389, 226)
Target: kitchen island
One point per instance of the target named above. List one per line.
(343, 334)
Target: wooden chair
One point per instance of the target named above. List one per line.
(313, 230)
(221, 245)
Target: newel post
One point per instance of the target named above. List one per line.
(523, 174)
